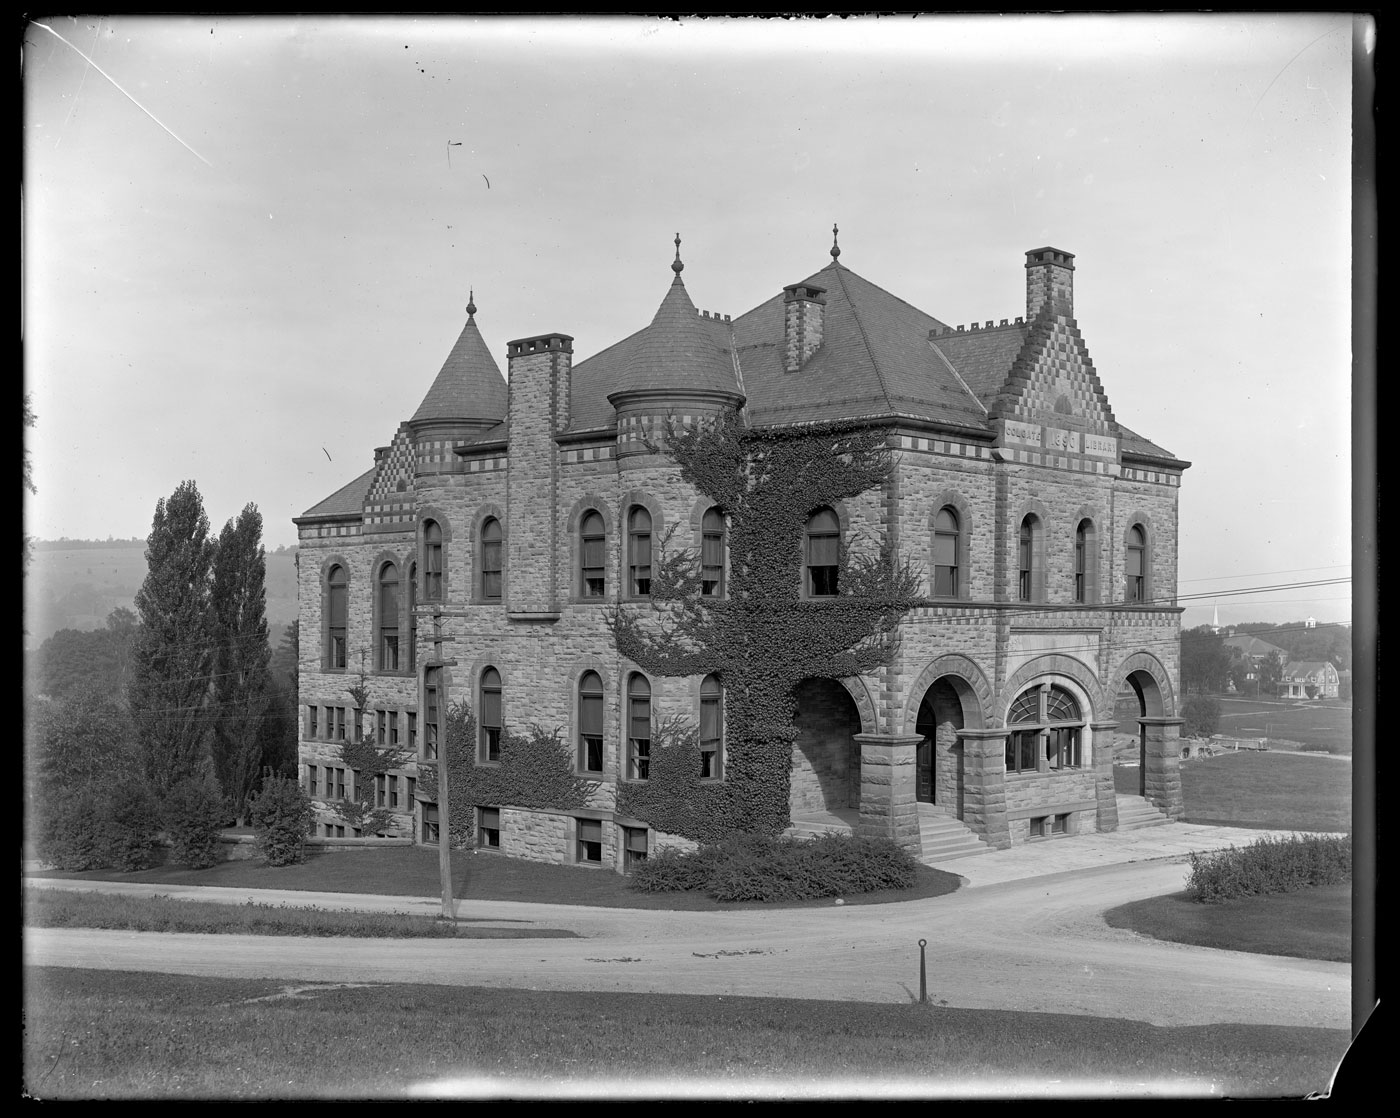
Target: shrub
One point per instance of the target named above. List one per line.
(133, 826)
(73, 830)
(281, 815)
(757, 868)
(1202, 715)
(1270, 865)
(194, 816)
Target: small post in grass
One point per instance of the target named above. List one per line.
(923, 974)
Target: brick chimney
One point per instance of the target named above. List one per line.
(1049, 281)
(540, 369)
(804, 311)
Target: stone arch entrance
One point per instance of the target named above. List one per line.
(825, 753)
(1157, 732)
(940, 767)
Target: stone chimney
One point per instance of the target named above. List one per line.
(538, 406)
(804, 311)
(1049, 281)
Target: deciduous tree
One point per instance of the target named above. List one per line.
(241, 656)
(171, 667)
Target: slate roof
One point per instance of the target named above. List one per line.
(469, 385)
(679, 349)
(348, 500)
(1253, 646)
(1133, 443)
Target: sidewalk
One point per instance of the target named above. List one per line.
(1069, 854)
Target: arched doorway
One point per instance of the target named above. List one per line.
(1149, 703)
(825, 754)
(939, 767)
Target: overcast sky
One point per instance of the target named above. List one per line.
(247, 268)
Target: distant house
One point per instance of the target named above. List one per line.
(1254, 648)
(1299, 675)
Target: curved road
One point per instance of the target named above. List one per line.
(1037, 945)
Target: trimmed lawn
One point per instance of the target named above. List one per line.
(1281, 791)
(111, 1034)
(1317, 724)
(412, 871)
(59, 908)
(1309, 924)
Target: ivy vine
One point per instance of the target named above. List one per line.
(763, 637)
(535, 770)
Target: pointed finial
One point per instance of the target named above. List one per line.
(835, 248)
(676, 265)
(471, 302)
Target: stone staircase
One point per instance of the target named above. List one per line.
(810, 824)
(1134, 813)
(946, 837)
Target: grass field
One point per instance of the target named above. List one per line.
(1283, 791)
(1309, 924)
(60, 908)
(413, 872)
(1325, 724)
(109, 1034)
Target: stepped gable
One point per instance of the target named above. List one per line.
(1053, 375)
(469, 386)
(875, 360)
(349, 500)
(680, 350)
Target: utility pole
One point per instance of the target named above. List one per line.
(444, 821)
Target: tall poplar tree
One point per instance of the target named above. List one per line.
(173, 659)
(242, 692)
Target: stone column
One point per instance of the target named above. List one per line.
(887, 789)
(984, 785)
(1106, 814)
(1162, 764)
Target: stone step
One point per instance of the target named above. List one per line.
(1135, 813)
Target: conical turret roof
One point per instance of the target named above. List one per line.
(680, 349)
(470, 385)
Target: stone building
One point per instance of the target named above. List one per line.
(475, 559)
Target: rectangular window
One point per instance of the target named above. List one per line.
(488, 827)
(340, 784)
(945, 566)
(313, 722)
(393, 727)
(490, 724)
(634, 847)
(312, 784)
(408, 786)
(590, 841)
(1059, 824)
(393, 791)
(639, 738)
(413, 729)
(712, 564)
(381, 729)
(339, 713)
(1038, 828)
(389, 652)
(593, 567)
(491, 567)
(430, 825)
(389, 619)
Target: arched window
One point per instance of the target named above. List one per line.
(336, 611)
(1030, 570)
(590, 723)
(1046, 725)
(491, 722)
(823, 553)
(947, 546)
(388, 643)
(1085, 563)
(432, 561)
(491, 559)
(711, 728)
(639, 553)
(712, 554)
(593, 555)
(1135, 566)
(412, 624)
(638, 727)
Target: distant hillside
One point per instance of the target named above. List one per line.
(75, 584)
